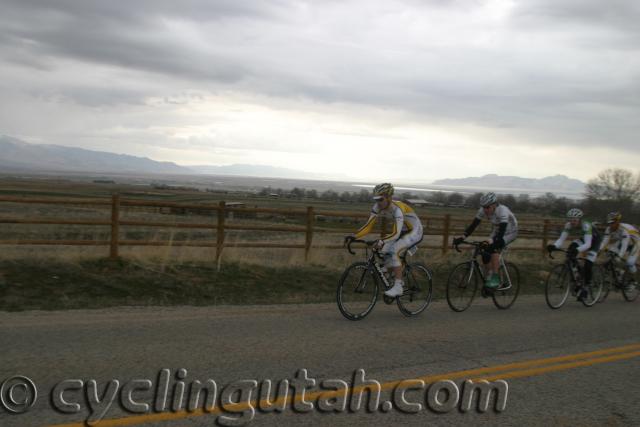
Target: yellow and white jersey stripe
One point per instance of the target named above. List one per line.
(625, 235)
(404, 220)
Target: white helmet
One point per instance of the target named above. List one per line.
(488, 199)
(574, 213)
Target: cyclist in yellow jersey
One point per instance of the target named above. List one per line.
(406, 232)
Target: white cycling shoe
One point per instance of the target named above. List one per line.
(395, 291)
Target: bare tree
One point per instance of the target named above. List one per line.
(612, 190)
(616, 185)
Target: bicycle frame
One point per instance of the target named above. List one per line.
(473, 260)
(575, 270)
(373, 265)
(610, 267)
(571, 263)
(414, 299)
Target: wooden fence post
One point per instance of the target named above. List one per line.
(309, 233)
(445, 233)
(115, 225)
(545, 236)
(220, 232)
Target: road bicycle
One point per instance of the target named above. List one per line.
(463, 281)
(620, 279)
(567, 278)
(359, 285)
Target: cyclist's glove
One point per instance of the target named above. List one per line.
(348, 239)
(457, 241)
(551, 248)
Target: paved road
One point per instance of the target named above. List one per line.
(596, 383)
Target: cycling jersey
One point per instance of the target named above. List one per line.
(405, 221)
(626, 235)
(501, 215)
(406, 232)
(590, 239)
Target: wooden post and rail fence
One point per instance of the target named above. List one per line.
(539, 230)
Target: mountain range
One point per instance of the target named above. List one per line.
(560, 183)
(19, 156)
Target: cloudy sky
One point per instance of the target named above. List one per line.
(410, 90)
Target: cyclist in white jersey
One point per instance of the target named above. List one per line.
(626, 238)
(406, 232)
(504, 231)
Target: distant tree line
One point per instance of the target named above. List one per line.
(612, 189)
(522, 202)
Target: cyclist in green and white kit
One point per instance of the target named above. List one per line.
(589, 242)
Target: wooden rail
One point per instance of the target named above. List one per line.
(310, 224)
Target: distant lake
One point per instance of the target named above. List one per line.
(471, 190)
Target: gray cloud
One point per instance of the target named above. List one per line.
(127, 41)
(547, 72)
(614, 15)
(94, 96)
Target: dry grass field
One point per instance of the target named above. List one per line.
(71, 276)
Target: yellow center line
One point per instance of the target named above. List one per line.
(561, 367)
(506, 371)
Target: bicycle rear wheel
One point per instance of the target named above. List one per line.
(594, 290)
(461, 286)
(418, 290)
(629, 287)
(506, 294)
(357, 291)
(557, 288)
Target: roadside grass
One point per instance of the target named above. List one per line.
(50, 284)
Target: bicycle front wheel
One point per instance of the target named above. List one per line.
(357, 291)
(608, 279)
(629, 287)
(461, 286)
(418, 283)
(557, 288)
(506, 294)
(594, 290)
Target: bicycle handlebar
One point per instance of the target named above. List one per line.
(556, 250)
(349, 241)
(464, 242)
